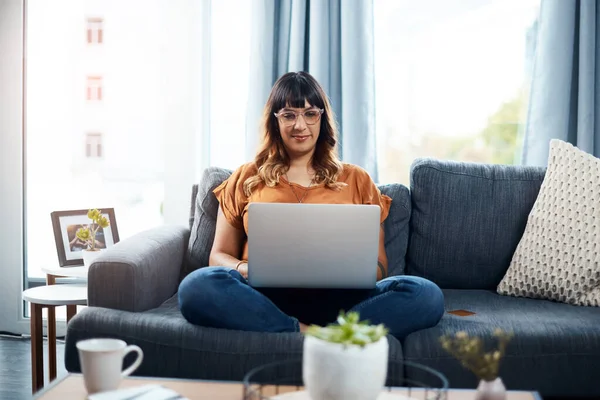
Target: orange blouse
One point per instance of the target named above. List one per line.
(360, 189)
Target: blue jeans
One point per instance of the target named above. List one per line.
(220, 297)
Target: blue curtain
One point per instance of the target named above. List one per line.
(564, 101)
(333, 41)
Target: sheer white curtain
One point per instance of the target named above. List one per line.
(229, 63)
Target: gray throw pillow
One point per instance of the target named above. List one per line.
(205, 219)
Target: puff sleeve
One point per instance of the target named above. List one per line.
(370, 194)
(231, 197)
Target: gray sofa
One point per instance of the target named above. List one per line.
(458, 225)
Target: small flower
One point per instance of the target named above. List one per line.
(103, 221)
(83, 234)
(88, 233)
(470, 351)
(93, 214)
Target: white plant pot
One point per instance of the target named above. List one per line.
(89, 256)
(491, 390)
(334, 372)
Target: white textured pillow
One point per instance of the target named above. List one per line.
(558, 257)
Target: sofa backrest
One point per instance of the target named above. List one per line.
(467, 220)
(203, 216)
(396, 227)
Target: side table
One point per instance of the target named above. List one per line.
(50, 296)
(52, 272)
(63, 272)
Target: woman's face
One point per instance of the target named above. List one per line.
(299, 128)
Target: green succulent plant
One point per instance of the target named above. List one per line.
(348, 330)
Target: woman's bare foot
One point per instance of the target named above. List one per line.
(303, 327)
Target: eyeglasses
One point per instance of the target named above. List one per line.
(289, 118)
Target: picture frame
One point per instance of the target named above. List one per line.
(66, 223)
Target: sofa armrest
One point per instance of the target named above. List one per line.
(140, 272)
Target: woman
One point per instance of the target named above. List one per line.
(298, 162)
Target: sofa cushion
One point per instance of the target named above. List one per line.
(204, 209)
(174, 348)
(204, 217)
(551, 340)
(558, 257)
(467, 220)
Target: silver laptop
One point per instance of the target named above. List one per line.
(313, 245)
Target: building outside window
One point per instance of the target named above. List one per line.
(94, 88)
(95, 30)
(93, 145)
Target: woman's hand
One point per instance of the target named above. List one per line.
(243, 269)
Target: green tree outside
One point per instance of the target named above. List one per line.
(502, 134)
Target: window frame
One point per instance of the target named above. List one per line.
(12, 173)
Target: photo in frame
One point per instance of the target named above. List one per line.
(66, 223)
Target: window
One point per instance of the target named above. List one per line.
(94, 88)
(94, 30)
(93, 145)
(230, 62)
(452, 80)
(147, 143)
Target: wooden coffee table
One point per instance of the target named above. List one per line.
(71, 387)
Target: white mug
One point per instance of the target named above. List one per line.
(101, 362)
